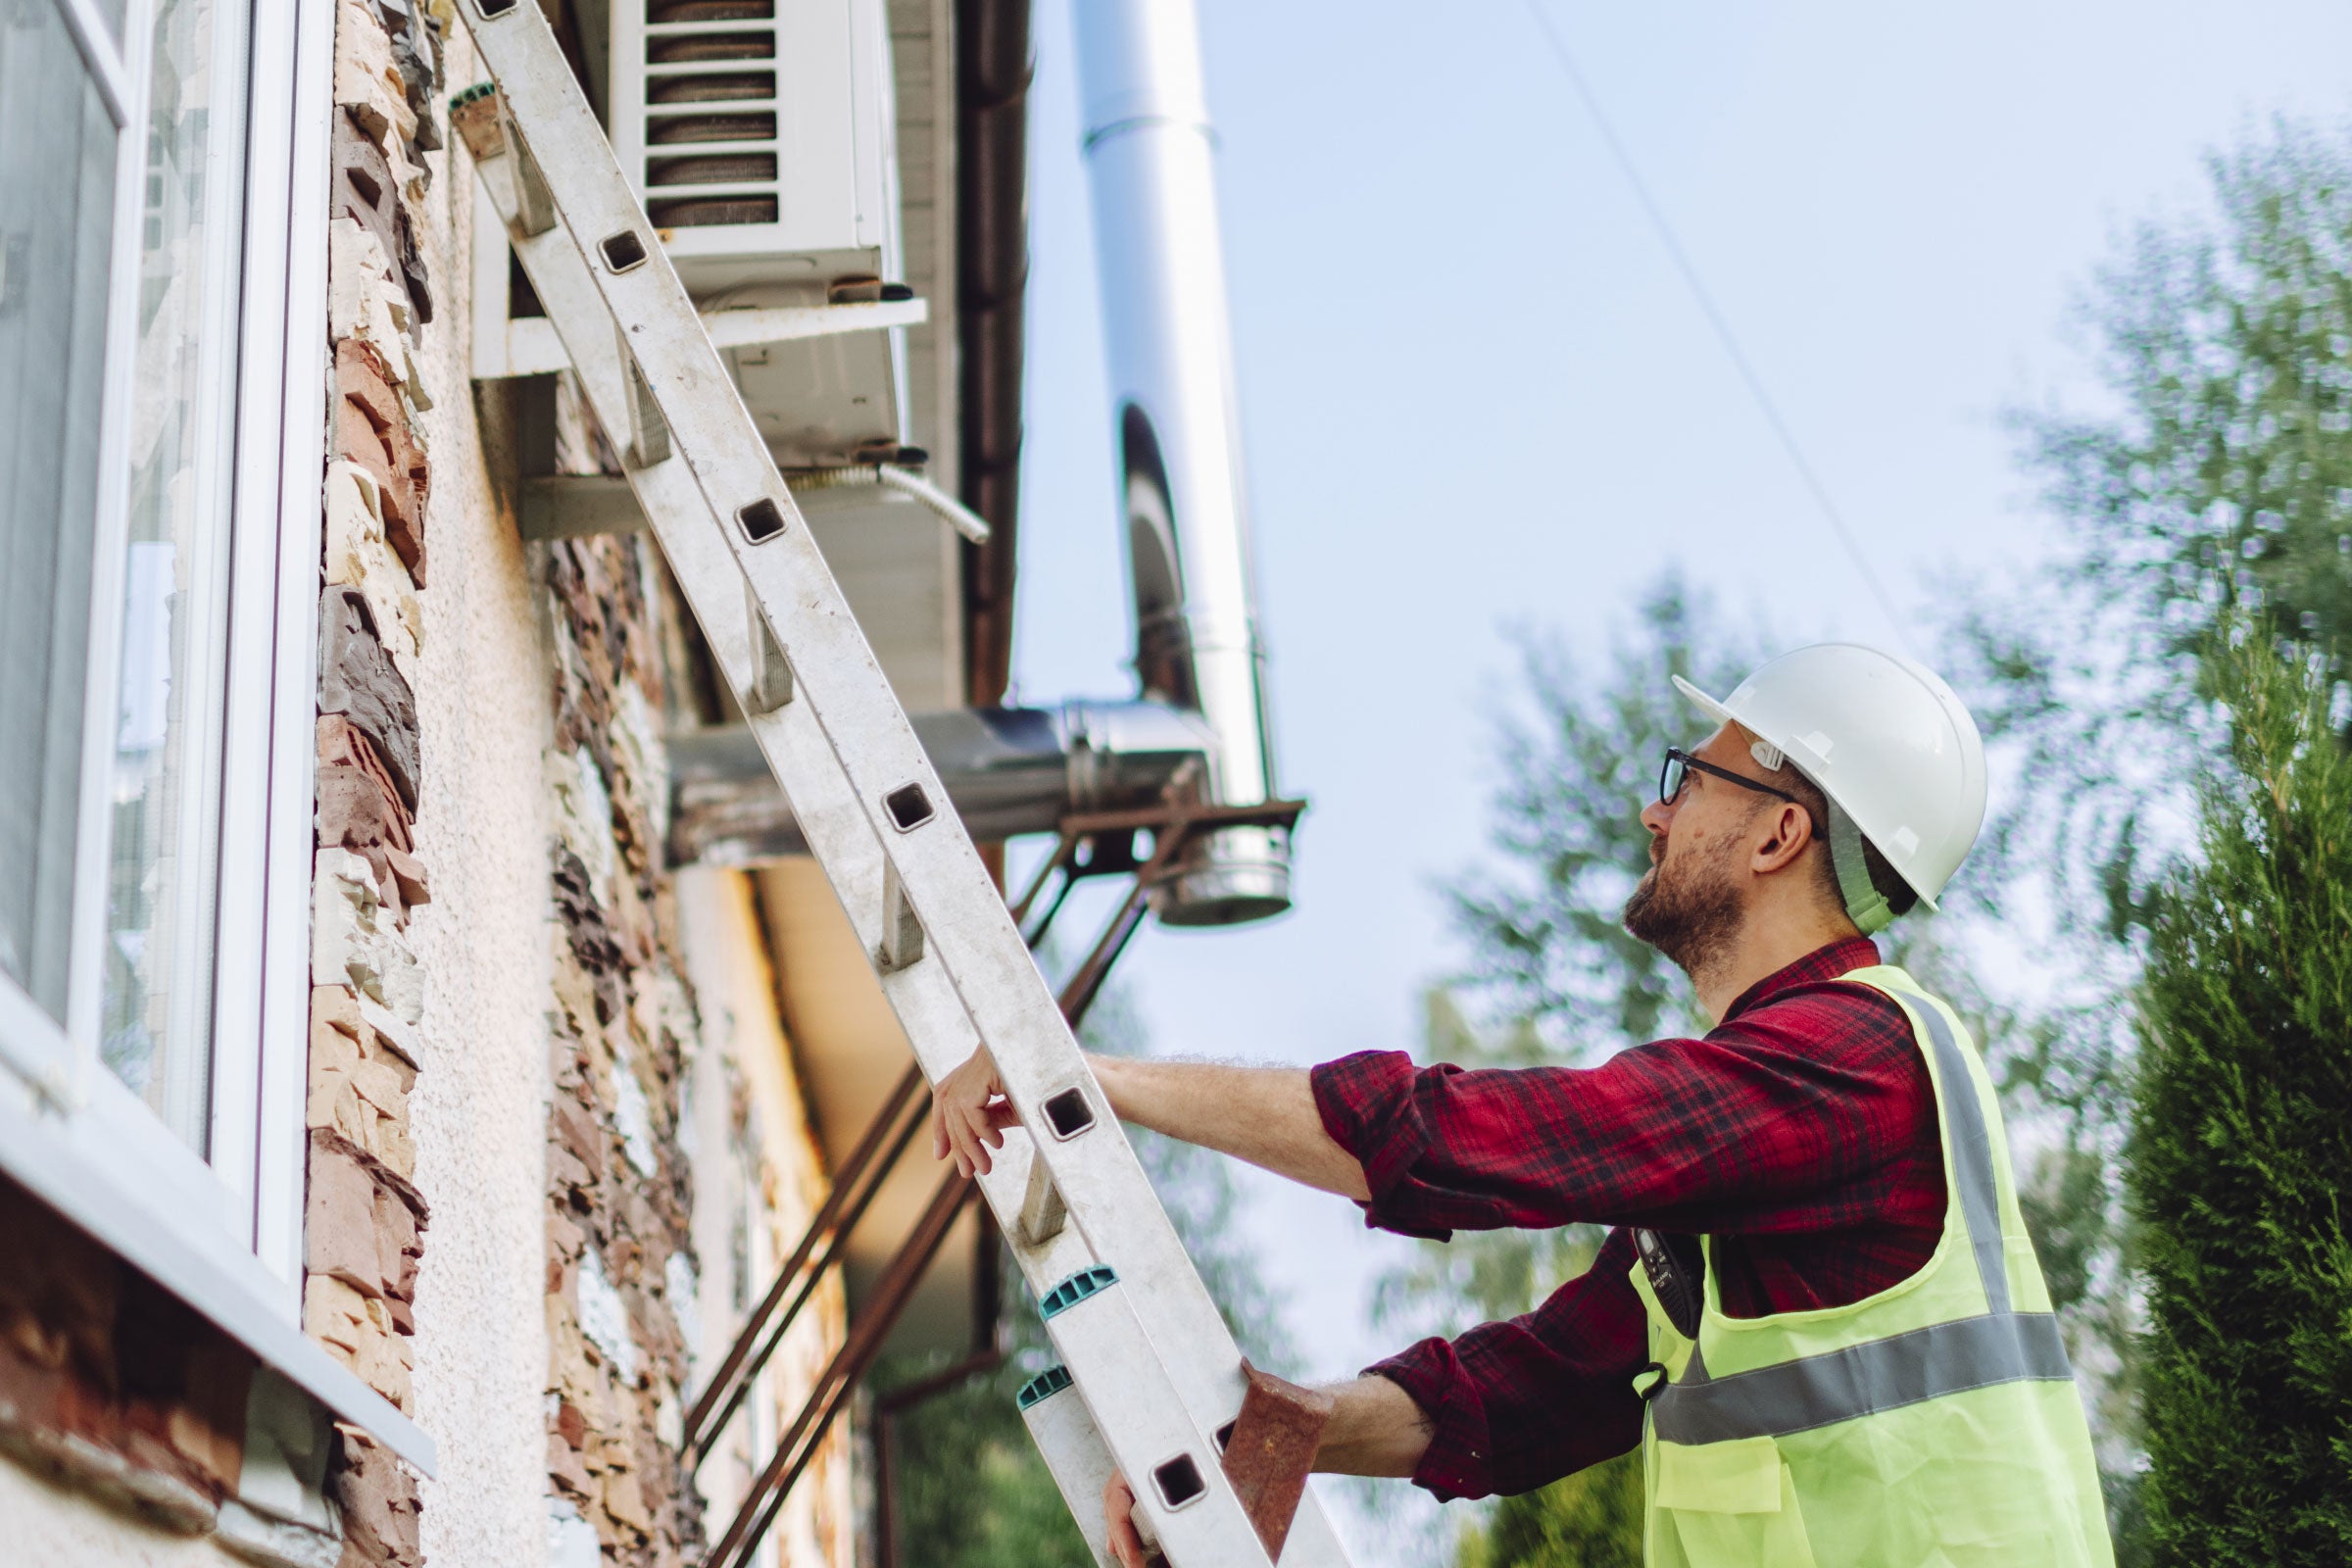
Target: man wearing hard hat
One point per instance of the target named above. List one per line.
(1817, 1310)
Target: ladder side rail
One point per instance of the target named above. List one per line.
(970, 932)
(836, 830)
(1065, 1434)
(846, 823)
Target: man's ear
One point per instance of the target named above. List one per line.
(1782, 838)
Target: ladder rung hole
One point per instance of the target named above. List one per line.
(908, 807)
(493, 8)
(1225, 1434)
(1178, 1481)
(762, 520)
(622, 251)
(1068, 1114)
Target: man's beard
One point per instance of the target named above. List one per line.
(1694, 919)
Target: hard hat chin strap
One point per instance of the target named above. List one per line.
(1865, 904)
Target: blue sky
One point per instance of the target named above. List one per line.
(1476, 395)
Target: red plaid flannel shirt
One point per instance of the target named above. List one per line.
(1801, 1134)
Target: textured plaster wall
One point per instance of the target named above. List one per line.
(480, 1109)
(47, 1525)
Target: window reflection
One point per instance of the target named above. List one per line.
(162, 872)
(57, 181)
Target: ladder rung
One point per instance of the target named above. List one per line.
(901, 942)
(768, 686)
(1043, 1214)
(649, 432)
(1064, 1432)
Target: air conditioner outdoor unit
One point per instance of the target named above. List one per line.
(759, 135)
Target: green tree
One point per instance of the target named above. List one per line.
(2241, 1150)
(970, 1489)
(2216, 479)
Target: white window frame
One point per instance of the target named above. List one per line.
(224, 1232)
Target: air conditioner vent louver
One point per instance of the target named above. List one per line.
(703, 212)
(664, 12)
(730, 169)
(709, 88)
(671, 129)
(697, 47)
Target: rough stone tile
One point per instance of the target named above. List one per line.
(373, 430)
(357, 679)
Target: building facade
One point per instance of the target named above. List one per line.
(405, 1093)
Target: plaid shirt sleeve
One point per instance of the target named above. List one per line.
(1761, 1124)
(1513, 1405)
(1800, 1132)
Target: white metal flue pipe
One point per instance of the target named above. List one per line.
(1170, 346)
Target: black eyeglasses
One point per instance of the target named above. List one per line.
(1675, 772)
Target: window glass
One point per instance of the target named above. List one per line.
(57, 163)
(165, 789)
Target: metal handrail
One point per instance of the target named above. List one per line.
(860, 1178)
(839, 1380)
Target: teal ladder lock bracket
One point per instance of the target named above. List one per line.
(1077, 1288)
(1043, 1387)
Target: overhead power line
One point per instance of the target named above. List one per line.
(1716, 319)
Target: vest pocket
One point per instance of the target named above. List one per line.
(1733, 1503)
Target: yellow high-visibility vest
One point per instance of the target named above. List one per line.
(1932, 1425)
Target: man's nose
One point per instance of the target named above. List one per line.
(1657, 817)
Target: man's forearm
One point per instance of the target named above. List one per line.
(1376, 1429)
(1265, 1115)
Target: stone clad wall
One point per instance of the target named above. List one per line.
(365, 1219)
(399, 937)
(621, 1276)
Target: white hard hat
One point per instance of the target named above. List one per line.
(1887, 742)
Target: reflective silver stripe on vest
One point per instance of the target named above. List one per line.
(1819, 1391)
(1971, 1156)
(1973, 1352)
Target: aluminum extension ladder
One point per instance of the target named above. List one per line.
(1157, 1377)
